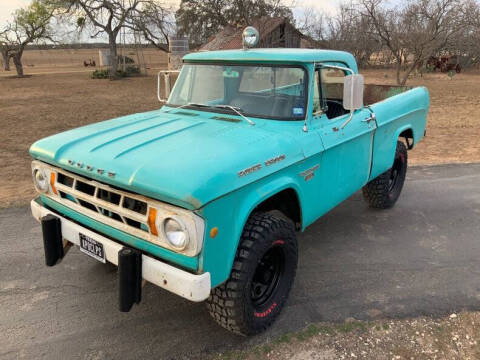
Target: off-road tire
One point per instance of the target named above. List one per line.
(381, 193)
(234, 304)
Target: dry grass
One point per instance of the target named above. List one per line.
(453, 128)
(41, 105)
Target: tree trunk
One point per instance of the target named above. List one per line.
(6, 60)
(17, 61)
(402, 80)
(112, 39)
(399, 69)
(407, 73)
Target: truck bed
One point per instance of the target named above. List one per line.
(372, 93)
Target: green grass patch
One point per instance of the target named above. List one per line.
(284, 338)
(351, 326)
(307, 333)
(266, 349)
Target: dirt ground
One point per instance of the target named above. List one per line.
(453, 127)
(42, 105)
(452, 337)
(45, 104)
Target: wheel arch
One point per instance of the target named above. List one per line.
(407, 134)
(271, 194)
(286, 202)
(219, 254)
(384, 151)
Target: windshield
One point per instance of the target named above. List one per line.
(264, 91)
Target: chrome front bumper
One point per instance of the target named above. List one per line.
(189, 286)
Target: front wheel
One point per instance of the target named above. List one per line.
(262, 275)
(383, 191)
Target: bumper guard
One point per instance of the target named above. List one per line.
(60, 233)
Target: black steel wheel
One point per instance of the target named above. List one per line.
(383, 191)
(261, 278)
(267, 276)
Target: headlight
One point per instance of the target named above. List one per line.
(40, 180)
(175, 233)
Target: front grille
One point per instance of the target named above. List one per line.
(128, 212)
(112, 204)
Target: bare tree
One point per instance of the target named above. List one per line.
(105, 17)
(347, 30)
(465, 44)
(155, 22)
(313, 24)
(29, 25)
(350, 30)
(414, 32)
(5, 49)
(471, 13)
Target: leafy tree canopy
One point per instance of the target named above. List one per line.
(200, 19)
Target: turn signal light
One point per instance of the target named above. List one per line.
(213, 232)
(52, 183)
(152, 216)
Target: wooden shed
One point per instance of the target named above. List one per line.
(274, 32)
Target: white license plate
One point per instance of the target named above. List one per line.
(92, 247)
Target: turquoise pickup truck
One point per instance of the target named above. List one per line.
(204, 197)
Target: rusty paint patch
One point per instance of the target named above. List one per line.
(194, 201)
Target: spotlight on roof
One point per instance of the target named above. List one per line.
(250, 37)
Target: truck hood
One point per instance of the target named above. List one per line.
(185, 159)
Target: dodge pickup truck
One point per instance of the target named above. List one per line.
(204, 196)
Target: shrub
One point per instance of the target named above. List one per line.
(100, 74)
(131, 70)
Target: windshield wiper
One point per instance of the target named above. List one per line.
(235, 109)
(219, 106)
(188, 104)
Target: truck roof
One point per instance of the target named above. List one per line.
(284, 55)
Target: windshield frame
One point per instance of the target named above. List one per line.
(252, 115)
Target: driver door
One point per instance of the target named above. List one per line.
(347, 157)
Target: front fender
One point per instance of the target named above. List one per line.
(229, 215)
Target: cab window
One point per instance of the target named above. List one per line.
(332, 90)
(317, 101)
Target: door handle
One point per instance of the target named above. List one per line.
(372, 117)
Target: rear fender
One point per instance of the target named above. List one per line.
(407, 111)
(384, 160)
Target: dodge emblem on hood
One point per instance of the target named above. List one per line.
(91, 168)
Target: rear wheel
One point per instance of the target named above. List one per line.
(383, 191)
(261, 278)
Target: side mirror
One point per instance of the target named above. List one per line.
(165, 81)
(353, 92)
